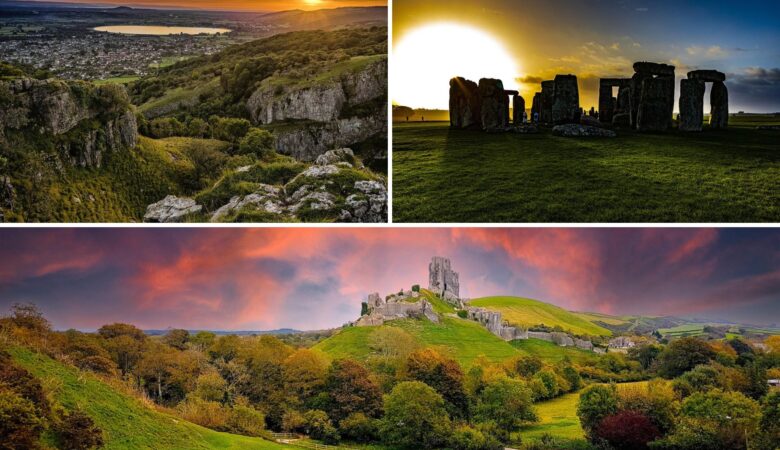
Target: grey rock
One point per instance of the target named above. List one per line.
(307, 141)
(266, 198)
(656, 104)
(719, 103)
(566, 101)
(316, 171)
(465, 104)
(707, 75)
(518, 108)
(526, 129)
(442, 280)
(656, 69)
(341, 155)
(546, 101)
(691, 105)
(368, 205)
(171, 209)
(495, 104)
(320, 201)
(577, 130)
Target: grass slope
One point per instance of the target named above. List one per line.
(557, 417)
(714, 176)
(126, 422)
(552, 352)
(463, 340)
(527, 312)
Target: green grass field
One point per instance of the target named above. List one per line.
(444, 175)
(557, 417)
(126, 422)
(552, 352)
(526, 312)
(693, 329)
(461, 339)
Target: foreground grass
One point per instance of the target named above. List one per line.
(557, 417)
(443, 175)
(527, 312)
(126, 422)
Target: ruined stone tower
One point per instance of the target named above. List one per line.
(442, 280)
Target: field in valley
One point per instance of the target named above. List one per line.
(444, 175)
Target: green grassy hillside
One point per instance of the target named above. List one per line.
(462, 340)
(126, 422)
(552, 352)
(526, 312)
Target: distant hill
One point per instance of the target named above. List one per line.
(126, 422)
(526, 312)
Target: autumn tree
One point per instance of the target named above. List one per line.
(596, 402)
(442, 374)
(125, 343)
(304, 374)
(627, 430)
(350, 388)
(177, 338)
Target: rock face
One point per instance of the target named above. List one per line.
(83, 121)
(342, 112)
(566, 102)
(578, 130)
(368, 205)
(691, 104)
(495, 104)
(719, 102)
(465, 104)
(442, 280)
(171, 209)
(518, 108)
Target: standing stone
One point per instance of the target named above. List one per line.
(719, 104)
(606, 100)
(655, 109)
(566, 104)
(691, 104)
(518, 108)
(536, 107)
(548, 97)
(442, 280)
(712, 76)
(465, 104)
(495, 104)
(645, 71)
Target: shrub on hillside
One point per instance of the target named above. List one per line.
(228, 128)
(350, 388)
(596, 402)
(506, 402)
(246, 420)
(257, 142)
(470, 438)
(318, 426)
(683, 355)
(20, 422)
(77, 431)
(204, 413)
(422, 412)
(359, 428)
(442, 374)
(627, 430)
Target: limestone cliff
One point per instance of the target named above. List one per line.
(79, 120)
(342, 108)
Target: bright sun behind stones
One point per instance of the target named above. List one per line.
(426, 58)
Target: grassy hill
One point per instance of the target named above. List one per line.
(526, 312)
(461, 339)
(552, 352)
(126, 422)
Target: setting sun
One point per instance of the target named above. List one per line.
(427, 57)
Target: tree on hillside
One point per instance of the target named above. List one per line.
(627, 430)
(773, 342)
(506, 402)
(167, 373)
(20, 424)
(350, 389)
(415, 417)
(304, 374)
(257, 142)
(202, 340)
(264, 358)
(646, 355)
(525, 366)
(683, 355)
(596, 402)
(125, 343)
(442, 374)
(391, 342)
(177, 338)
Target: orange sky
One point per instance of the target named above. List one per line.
(255, 5)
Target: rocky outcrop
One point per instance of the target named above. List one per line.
(83, 121)
(368, 205)
(343, 111)
(379, 310)
(171, 209)
(267, 198)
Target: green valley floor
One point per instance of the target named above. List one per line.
(444, 175)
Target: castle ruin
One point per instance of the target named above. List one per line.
(378, 310)
(443, 281)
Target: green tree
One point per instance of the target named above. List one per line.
(350, 388)
(415, 417)
(359, 428)
(304, 374)
(125, 343)
(318, 426)
(683, 355)
(507, 402)
(177, 338)
(526, 366)
(442, 374)
(596, 402)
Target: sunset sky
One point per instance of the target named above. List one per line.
(589, 38)
(236, 5)
(260, 279)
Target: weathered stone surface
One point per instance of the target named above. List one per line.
(465, 104)
(547, 99)
(518, 109)
(381, 311)
(623, 104)
(621, 342)
(691, 105)
(495, 104)
(266, 198)
(317, 200)
(345, 155)
(368, 205)
(635, 95)
(622, 120)
(656, 104)
(305, 142)
(707, 75)
(171, 209)
(719, 103)
(577, 130)
(651, 68)
(606, 100)
(566, 102)
(442, 280)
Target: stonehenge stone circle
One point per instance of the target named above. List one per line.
(495, 104)
(655, 108)
(691, 104)
(692, 100)
(548, 97)
(465, 104)
(566, 100)
(518, 108)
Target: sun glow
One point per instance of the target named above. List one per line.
(426, 58)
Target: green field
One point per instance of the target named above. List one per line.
(693, 329)
(444, 175)
(126, 422)
(461, 339)
(526, 312)
(552, 352)
(557, 417)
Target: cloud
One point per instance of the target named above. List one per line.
(715, 51)
(530, 79)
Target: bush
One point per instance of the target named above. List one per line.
(359, 428)
(243, 419)
(596, 402)
(421, 411)
(293, 421)
(210, 386)
(204, 413)
(507, 403)
(257, 142)
(683, 355)
(77, 431)
(469, 438)
(20, 424)
(318, 426)
(627, 430)
(229, 129)
(462, 313)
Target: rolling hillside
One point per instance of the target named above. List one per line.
(126, 422)
(526, 312)
(462, 339)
